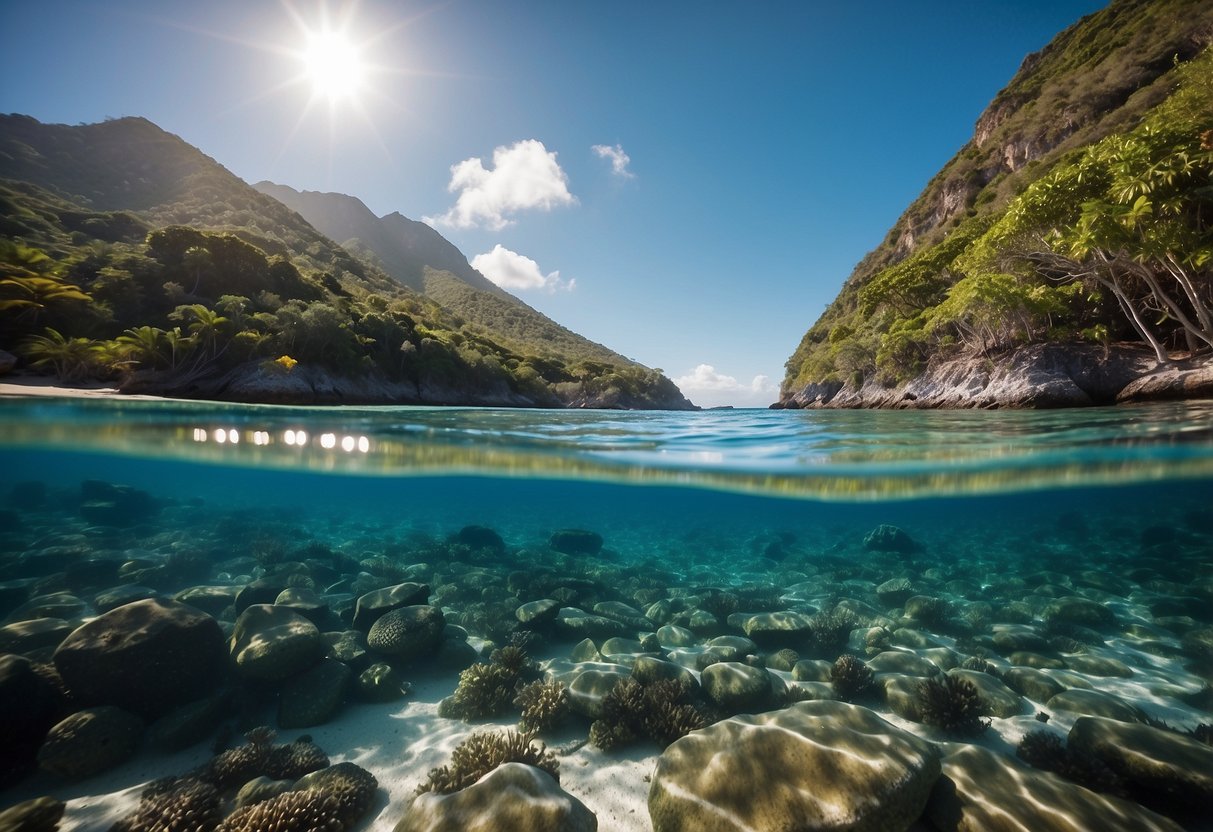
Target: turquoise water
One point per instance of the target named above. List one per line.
(768, 508)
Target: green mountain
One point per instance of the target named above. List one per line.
(127, 254)
(425, 261)
(1075, 222)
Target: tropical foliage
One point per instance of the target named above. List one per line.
(1109, 241)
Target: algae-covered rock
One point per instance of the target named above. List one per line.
(981, 790)
(537, 614)
(1095, 703)
(91, 741)
(373, 605)
(1032, 683)
(260, 789)
(381, 683)
(1076, 610)
(33, 634)
(312, 697)
(42, 814)
(407, 633)
(589, 687)
(190, 723)
(1098, 666)
(895, 591)
(146, 657)
(778, 629)
(814, 765)
(576, 542)
(900, 661)
(303, 601)
(514, 797)
(1166, 771)
(351, 786)
(738, 688)
(999, 700)
(273, 643)
(886, 538)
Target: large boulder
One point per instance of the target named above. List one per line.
(981, 790)
(1166, 771)
(272, 643)
(312, 697)
(373, 605)
(146, 657)
(813, 766)
(576, 542)
(513, 797)
(407, 633)
(91, 741)
(737, 687)
(107, 504)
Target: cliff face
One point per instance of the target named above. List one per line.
(1103, 76)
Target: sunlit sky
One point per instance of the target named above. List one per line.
(688, 183)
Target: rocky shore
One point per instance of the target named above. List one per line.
(1035, 376)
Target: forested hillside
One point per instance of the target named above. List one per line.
(1079, 213)
(128, 255)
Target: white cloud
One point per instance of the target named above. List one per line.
(709, 388)
(511, 270)
(524, 176)
(619, 159)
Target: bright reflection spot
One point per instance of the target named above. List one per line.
(364, 444)
(220, 435)
(260, 437)
(232, 436)
(199, 434)
(288, 436)
(347, 444)
(328, 441)
(301, 437)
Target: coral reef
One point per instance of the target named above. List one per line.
(177, 805)
(260, 757)
(851, 677)
(543, 705)
(487, 690)
(351, 786)
(953, 705)
(830, 631)
(661, 711)
(310, 810)
(42, 814)
(481, 753)
(1048, 751)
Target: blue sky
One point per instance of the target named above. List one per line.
(769, 145)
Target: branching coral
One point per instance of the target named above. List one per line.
(952, 705)
(1046, 750)
(351, 786)
(661, 711)
(259, 757)
(544, 705)
(174, 805)
(309, 810)
(481, 753)
(851, 678)
(487, 690)
(830, 631)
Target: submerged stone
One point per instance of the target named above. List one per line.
(814, 765)
(737, 687)
(312, 697)
(407, 633)
(273, 643)
(1095, 703)
(576, 542)
(90, 741)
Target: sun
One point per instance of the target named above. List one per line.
(333, 66)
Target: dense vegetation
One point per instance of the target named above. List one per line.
(126, 254)
(1079, 212)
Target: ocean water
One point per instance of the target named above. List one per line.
(769, 508)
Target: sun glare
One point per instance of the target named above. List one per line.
(333, 66)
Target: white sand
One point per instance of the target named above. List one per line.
(398, 742)
(49, 387)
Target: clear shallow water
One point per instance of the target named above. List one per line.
(766, 509)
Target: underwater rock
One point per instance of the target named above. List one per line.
(886, 538)
(739, 688)
(981, 790)
(273, 643)
(348, 647)
(381, 683)
(1166, 771)
(1032, 683)
(1076, 610)
(55, 605)
(107, 504)
(513, 796)
(261, 591)
(480, 537)
(32, 635)
(373, 605)
(302, 811)
(1098, 666)
(29, 706)
(778, 629)
(189, 724)
(90, 741)
(900, 661)
(1015, 638)
(617, 648)
(625, 614)
(1026, 658)
(585, 651)
(407, 633)
(671, 635)
(1094, 703)
(305, 602)
(812, 670)
(576, 623)
(210, 599)
(999, 700)
(42, 814)
(814, 765)
(538, 614)
(647, 669)
(312, 697)
(146, 657)
(575, 542)
(589, 686)
(119, 596)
